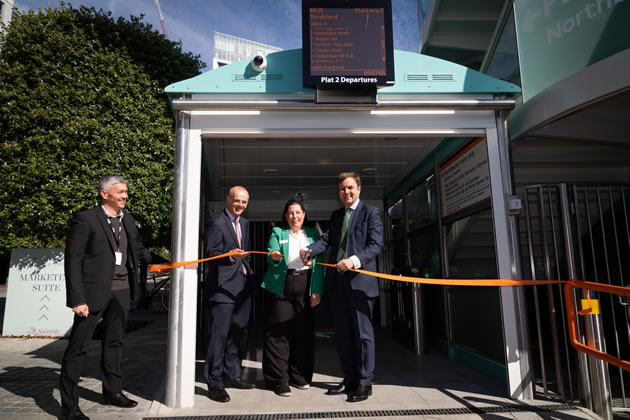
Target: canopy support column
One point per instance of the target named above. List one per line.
(519, 374)
(182, 321)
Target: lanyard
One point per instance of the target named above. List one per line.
(116, 238)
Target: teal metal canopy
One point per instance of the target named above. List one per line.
(415, 74)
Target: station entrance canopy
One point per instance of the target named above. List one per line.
(269, 117)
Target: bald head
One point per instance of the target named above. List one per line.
(237, 200)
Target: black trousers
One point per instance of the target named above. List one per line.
(114, 314)
(289, 348)
(227, 344)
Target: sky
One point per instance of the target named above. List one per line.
(273, 22)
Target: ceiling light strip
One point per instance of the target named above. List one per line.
(296, 104)
(413, 112)
(223, 112)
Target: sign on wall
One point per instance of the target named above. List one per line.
(36, 294)
(465, 178)
(557, 38)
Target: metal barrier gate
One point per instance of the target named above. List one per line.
(578, 232)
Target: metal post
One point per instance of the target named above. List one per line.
(416, 291)
(172, 393)
(553, 311)
(532, 264)
(418, 321)
(599, 394)
(516, 340)
(443, 254)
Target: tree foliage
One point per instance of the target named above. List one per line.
(81, 96)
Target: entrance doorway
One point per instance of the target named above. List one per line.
(277, 169)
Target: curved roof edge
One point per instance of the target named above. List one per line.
(415, 74)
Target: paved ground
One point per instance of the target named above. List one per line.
(406, 386)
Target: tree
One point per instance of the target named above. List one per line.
(81, 96)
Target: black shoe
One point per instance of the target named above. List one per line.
(218, 394)
(237, 383)
(342, 388)
(73, 413)
(119, 400)
(360, 394)
(282, 390)
(300, 386)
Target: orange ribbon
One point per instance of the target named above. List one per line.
(568, 289)
(160, 267)
(443, 282)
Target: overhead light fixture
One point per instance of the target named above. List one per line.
(271, 171)
(413, 112)
(234, 112)
(368, 171)
(232, 131)
(428, 131)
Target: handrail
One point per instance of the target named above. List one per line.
(572, 320)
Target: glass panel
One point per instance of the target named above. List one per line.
(476, 318)
(424, 252)
(401, 296)
(470, 247)
(504, 63)
(396, 219)
(422, 205)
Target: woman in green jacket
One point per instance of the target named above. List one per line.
(292, 290)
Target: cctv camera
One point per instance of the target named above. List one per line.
(259, 63)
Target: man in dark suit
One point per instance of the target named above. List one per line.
(101, 266)
(355, 239)
(228, 289)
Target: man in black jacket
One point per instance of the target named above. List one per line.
(101, 267)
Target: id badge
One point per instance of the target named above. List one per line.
(118, 255)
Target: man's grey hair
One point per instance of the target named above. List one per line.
(108, 180)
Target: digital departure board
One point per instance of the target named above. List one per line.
(347, 44)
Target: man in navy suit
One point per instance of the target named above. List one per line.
(355, 239)
(228, 289)
(101, 268)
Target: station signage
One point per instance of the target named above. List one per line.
(36, 294)
(347, 44)
(465, 178)
(557, 38)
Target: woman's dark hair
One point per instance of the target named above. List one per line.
(283, 220)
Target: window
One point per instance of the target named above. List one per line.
(422, 205)
(396, 219)
(504, 63)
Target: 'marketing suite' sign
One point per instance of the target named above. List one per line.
(36, 294)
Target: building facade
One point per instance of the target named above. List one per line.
(570, 152)
(6, 11)
(229, 49)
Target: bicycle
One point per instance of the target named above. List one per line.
(161, 287)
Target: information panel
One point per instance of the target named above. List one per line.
(347, 44)
(466, 178)
(36, 294)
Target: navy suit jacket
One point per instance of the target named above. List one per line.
(365, 240)
(89, 258)
(225, 280)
